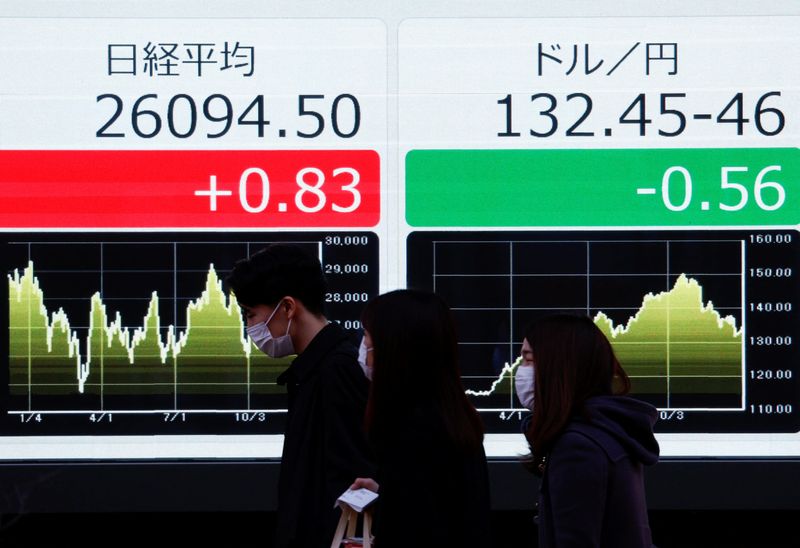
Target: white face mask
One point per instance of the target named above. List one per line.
(274, 347)
(523, 384)
(362, 359)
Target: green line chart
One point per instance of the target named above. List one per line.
(701, 320)
(144, 331)
(212, 351)
(674, 339)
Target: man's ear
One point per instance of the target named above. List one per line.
(291, 305)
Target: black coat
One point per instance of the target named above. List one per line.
(592, 491)
(432, 493)
(325, 446)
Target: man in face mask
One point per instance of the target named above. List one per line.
(260, 333)
(281, 293)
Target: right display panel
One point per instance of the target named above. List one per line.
(704, 322)
(643, 171)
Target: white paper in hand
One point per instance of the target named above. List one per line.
(357, 499)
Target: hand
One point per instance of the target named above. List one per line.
(366, 483)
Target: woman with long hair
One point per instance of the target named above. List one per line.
(428, 438)
(588, 440)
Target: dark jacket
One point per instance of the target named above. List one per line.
(592, 492)
(325, 446)
(432, 493)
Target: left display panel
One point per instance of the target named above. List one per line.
(139, 159)
(114, 333)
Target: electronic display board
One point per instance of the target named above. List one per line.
(633, 169)
(638, 164)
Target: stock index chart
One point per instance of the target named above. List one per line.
(128, 334)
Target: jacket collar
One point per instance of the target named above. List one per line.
(306, 364)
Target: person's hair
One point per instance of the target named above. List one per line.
(573, 361)
(277, 271)
(415, 355)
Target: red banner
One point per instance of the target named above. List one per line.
(183, 189)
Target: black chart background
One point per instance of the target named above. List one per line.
(67, 265)
(650, 262)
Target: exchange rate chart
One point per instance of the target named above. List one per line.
(698, 320)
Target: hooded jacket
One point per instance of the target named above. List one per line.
(592, 491)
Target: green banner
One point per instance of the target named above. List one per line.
(603, 187)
